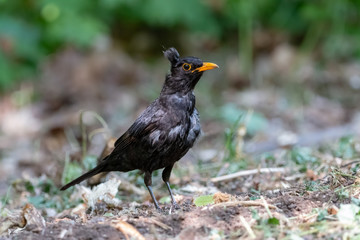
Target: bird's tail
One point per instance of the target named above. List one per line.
(92, 172)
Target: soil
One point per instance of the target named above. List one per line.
(187, 222)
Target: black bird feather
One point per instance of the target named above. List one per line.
(164, 132)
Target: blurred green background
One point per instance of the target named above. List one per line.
(31, 30)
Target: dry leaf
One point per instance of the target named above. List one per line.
(21, 218)
(357, 181)
(80, 210)
(220, 197)
(311, 175)
(127, 229)
(33, 216)
(333, 210)
(13, 218)
(105, 192)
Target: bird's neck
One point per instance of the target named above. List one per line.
(176, 85)
(178, 100)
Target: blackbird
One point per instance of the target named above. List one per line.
(164, 132)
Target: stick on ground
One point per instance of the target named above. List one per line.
(246, 173)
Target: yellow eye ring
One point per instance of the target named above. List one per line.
(186, 66)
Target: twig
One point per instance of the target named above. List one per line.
(246, 173)
(294, 177)
(242, 203)
(309, 217)
(158, 223)
(350, 163)
(266, 206)
(247, 227)
(66, 167)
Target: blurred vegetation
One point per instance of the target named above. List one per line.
(30, 30)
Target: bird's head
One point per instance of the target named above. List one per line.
(185, 72)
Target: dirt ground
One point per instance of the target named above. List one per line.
(222, 219)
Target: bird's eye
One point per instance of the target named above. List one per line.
(186, 66)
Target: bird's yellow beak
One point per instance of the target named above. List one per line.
(206, 66)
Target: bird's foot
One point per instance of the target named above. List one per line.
(176, 206)
(157, 206)
(160, 210)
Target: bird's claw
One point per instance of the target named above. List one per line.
(160, 210)
(175, 206)
(157, 206)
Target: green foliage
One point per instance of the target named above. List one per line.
(243, 123)
(267, 225)
(322, 214)
(355, 201)
(31, 30)
(50, 196)
(108, 214)
(273, 221)
(29, 187)
(165, 199)
(355, 169)
(89, 162)
(253, 121)
(204, 200)
(71, 171)
(312, 186)
(346, 148)
(304, 157)
(217, 234)
(230, 144)
(5, 199)
(193, 15)
(342, 193)
(233, 147)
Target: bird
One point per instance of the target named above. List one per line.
(164, 132)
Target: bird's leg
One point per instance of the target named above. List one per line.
(166, 176)
(148, 182)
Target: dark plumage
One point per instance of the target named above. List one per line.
(164, 132)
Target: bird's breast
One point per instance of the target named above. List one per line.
(194, 128)
(172, 139)
(179, 102)
(176, 130)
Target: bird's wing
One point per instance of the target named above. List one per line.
(145, 124)
(136, 130)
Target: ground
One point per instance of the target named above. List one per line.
(292, 209)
